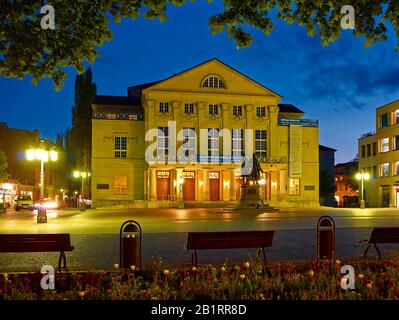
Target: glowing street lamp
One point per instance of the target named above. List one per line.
(83, 175)
(44, 156)
(362, 176)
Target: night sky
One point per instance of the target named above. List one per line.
(340, 85)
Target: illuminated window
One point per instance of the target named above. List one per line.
(294, 187)
(213, 109)
(189, 108)
(260, 112)
(120, 146)
(237, 110)
(163, 174)
(213, 142)
(120, 185)
(214, 175)
(396, 116)
(237, 142)
(385, 170)
(163, 107)
(384, 145)
(213, 82)
(396, 168)
(260, 144)
(163, 142)
(189, 142)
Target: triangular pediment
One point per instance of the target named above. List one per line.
(235, 82)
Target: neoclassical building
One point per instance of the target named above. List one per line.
(186, 138)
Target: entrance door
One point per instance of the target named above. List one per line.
(189, 185)
(163, 185)
(214, 186)
(385, 196)
(238, 188)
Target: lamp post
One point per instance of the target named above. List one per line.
(44, 156)
(362, 176)
(83, 175)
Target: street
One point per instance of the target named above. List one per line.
(95, 234)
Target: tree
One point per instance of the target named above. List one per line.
(327, 186)
(82, 27)
(3, 165)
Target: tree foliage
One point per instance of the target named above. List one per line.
(3, 165)
(82, 26)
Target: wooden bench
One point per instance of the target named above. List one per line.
(381, 235)
(37, 243)
(228, 240)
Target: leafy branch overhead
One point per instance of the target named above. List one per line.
(82, 26)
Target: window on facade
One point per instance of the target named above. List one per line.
(163, 107)
(120, 147)
(374, 171)
(396, 142)
(189, 108)
(385, 170)
(213, 109)
(260, 111)
(363, 151)
(374, 148)
(120, 185)
(384, 120)
(396, 168)
(294, 187)
(237, 110)
(213, 142)
(369, 150)
(237, 142)
(213, 175)
(213, 82)
(396, 116)
(260, 144)
(384, 147)
(189, 142)
(163, 142)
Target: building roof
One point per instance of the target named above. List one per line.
(150, 84)
(289, 108)
(116, 100)
(346, 164)
(324, 148)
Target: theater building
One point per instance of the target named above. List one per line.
(183, 140)
(379, 156)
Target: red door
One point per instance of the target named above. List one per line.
(163, 185)
(189, 185)
(214, 186)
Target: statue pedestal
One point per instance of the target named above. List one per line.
(251, 196)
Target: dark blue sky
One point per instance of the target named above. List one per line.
(340, 85)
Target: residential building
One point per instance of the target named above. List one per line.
(346, 185)
(379, 156)
(183, 139)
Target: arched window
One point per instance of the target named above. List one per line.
(213, 82)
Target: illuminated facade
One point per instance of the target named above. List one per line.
(210, 115)
(379, 156)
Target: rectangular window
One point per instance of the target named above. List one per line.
(237, 110)
(213, 109)
(384, 145)
(163, 107)
(374, 148)
(163, 174)
(260, 111)
(363, 151)
(260, 144)
(237, 142)
(214, 175)
(384, 120)
(374, 171)
(396, 168)
(385, 170)
(163, 143)
(102, 186)
(189, 142)
(368, 150)
(396, 116)
(189, 108)
(213, 142)
(120, 147)
(294, 187)
(120, 185)
(396, 142)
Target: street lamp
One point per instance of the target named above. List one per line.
(362, 176)
(44, 156)
(83, 175)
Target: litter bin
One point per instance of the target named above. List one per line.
(130, 245)
(325, 238)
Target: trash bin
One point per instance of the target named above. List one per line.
(130, 245)
(325, 238)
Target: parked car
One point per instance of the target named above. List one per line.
(24, 201)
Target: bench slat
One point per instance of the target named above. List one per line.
(35, 242)
(384, 235)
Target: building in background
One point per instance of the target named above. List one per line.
(346, 185)
(326, 175)
(207, 106)
(379, 156)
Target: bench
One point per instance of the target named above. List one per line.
(37, 243)
(228, 240)
(381, 235)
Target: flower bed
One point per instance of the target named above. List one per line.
(282, 281)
